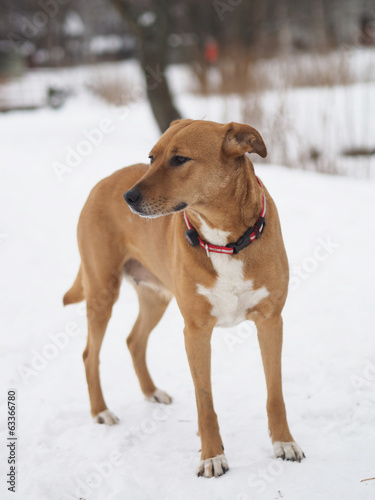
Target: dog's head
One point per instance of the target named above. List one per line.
(191, 164)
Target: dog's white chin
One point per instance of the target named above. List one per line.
(154, 216)
(149, 216)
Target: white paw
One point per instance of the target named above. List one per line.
(213, 467)
(288, 451)
(106, 417)
(160, 397)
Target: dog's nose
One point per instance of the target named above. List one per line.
(132, 196)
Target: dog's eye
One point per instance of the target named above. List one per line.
(176, 161)
(151, 158)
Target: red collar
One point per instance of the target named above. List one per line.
(251, 234)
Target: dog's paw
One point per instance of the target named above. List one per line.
(160, 396)
(213, 467)
(288, 451)
(106, 417)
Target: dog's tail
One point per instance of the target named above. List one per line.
(76, 293)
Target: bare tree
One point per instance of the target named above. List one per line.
(151, 24)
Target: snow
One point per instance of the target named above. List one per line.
(73, 25)
(102, 44)
(313, 128)
(328, 356)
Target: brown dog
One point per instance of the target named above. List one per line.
(199, 167)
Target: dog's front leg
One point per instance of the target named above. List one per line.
(270, 335)
(198, 348)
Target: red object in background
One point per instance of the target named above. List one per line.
(211, 51)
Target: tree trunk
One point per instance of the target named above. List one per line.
(152, 29)
(159, 95)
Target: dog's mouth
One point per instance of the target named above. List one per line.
(148, 211)
(180, 207)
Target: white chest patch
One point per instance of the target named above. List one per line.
(231, 296)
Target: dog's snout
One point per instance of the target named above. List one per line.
(132, 196)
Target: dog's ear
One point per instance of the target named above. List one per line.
(240, 139)
(181, 121)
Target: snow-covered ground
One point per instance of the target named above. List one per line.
(329, 354)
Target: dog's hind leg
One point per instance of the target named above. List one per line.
(102, 284)
(152, 305)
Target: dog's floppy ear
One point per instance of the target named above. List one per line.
(184, 121)
(240, 139)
